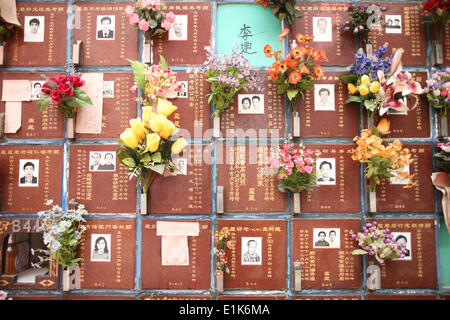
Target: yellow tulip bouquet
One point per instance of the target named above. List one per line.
(147, 147)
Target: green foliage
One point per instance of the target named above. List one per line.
(349, 78)
(377, 168)
(297, 181)
(285, 9)
(138, 71)
(7, 30)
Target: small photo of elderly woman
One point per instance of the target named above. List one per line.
(101, 247)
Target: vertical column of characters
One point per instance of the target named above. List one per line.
(10, 178)
(349, 258)
(118, 277)
(338, 40)
(233, 238)
(269, 255)
(81, 175)
(233, 174)
(341, 114)
(307, 109)
(304, 254)
(195, 33)
(87, 51)
(341, 176)
(123, 184)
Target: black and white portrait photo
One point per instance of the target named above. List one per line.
(28, 173)
(396, 179)
(322, 30)
(251, 248)
(183, 91)
(36, 87)
(102, 161)
(101, 247)
(324, 97)
(326, 171)
(251, 104)
(181, 164)
(34, 27)
(178, 30)
(108, 89)
(393, 23)
(403, 239)
(106, 27)
(327, 238)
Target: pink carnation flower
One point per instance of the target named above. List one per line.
(170, 17)
(129, 10)
(144, 25)
(134, 18)
(166, 25)
(309, 160)
(299, 162)
(280, 176)
(308, 169)
(289, 171)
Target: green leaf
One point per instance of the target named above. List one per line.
(292, 93)
(359, 251)
(159, 168)
(81, 99)
(156, 157)
(370, 105)
(152, 23)
(138, 70)
(349, 78)
(275, 9)
(146, 158)
(354, 99)
(164, 64)
(289, 8)
(43, 102)
(129, 162)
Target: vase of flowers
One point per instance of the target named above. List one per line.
(438, 94)
(282, 9)
(381, 158)
(221, 243)
(62, 235)
(380, 84)
(296, 171)
(295, 72)
(437, 14)
(64, 93)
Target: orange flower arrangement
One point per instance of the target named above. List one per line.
(381, 158)
(298, 69)
(221, 242)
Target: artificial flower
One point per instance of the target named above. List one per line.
(268, 50)
(138, 128)
(295, 77)
(383, 126)
(165, 107)
(283, 34)
(179, 145)
(129, 138)
(153, 141)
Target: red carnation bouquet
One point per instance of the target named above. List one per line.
(437, 13)
(65, 94)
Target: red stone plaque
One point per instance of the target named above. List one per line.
(414, 124)
(198, 35)
(446, 44)
(119, 40)
(80, 297)
(21, 228)
(193, 276)
(253, 112)
(418, 268)
(249, 184)
(402, 297)
(323, 112)
(188, 193)
(193, 113)
(35, 298)
(396, 198)
(113, 269)
(42, 42)
(35, 124)
(119, 108)
(172, 297)
(326, 259)
(328, 297)
(334, 41)
(340, 195)
(102, 189)
(246, 270)
(411, 36)
(19, 194)
(251, 297)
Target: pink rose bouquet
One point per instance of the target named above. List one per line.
(296, 168)
(148, 16)
(65, 94)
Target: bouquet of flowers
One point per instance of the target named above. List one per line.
(443, 157)
(359, 22)
(378, 243)
(438, 91)
(62, 234)
(380, 158)
(282, 9)
(221, 242)
(380, 83)
(148, 16)
(298, 69)
(65, 94)
(437, 13)
(296, 168)
(146, 148)
(227, 76)
(6, 30)
(156, 81)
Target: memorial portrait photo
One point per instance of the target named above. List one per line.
(28, 173)
(251, 104)
(108, 89)
(106, 27)
(324, 97)
(102, 161)
(393, 23)
(251, 249)
(101, 247)
(404, 240)
(326, 171)
(178, 30)
(396, 179)
(183, 92)
(36, 87)
(181, 164)
(322, 30)
(327, 238)
(34, 27)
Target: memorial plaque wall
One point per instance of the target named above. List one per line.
(113, 268)
(329, 297)
(172, 297)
